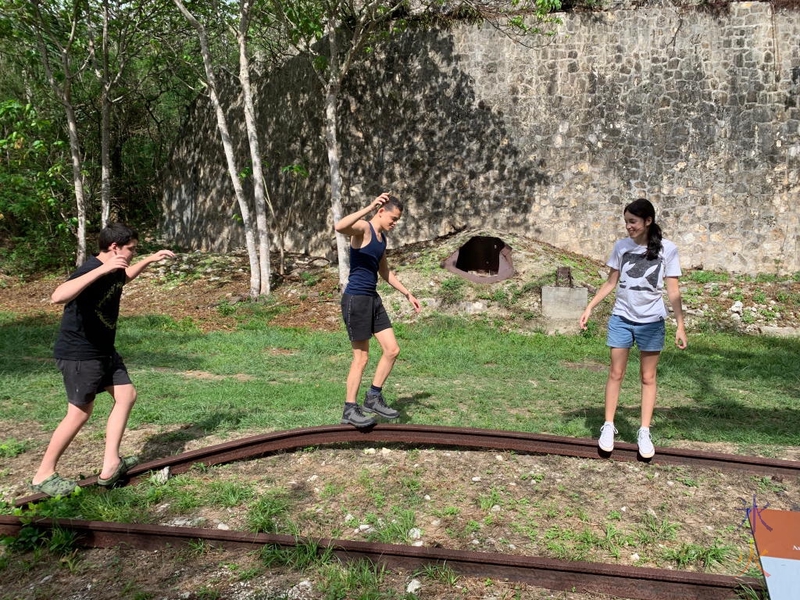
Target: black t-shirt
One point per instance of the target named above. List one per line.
(89, 323)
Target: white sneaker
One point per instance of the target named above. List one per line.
(607, 433)
(646, 449)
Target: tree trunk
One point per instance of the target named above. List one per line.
(63, 92)
(334, 150)
(77, 179)
(105, 128)
(105, 161)
(260, 197)
(227, 144)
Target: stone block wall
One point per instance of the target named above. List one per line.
(547, 137)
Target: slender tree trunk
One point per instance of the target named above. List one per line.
(105, 166)
(77, 180)
(227, 144)
(334, 149)
(260, 196)
(63, 92)
(105, 128)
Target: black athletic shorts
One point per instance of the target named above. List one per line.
(84, 379)
(363, 316)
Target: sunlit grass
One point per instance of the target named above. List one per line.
(724, 387)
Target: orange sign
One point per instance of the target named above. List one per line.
(777, 537)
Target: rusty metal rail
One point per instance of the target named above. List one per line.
(621, 581)
(446, 437)
(631, 582)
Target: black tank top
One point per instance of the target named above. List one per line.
(364, 264)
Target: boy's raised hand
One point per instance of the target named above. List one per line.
(380, 201)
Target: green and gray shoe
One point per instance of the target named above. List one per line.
(55, 485)
(125, 464)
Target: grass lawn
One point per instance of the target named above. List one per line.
(742, 390)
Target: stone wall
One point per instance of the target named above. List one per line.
(547, 136)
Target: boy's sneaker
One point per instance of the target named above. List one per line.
(607, 433)
(55, 485)
(646, 449)
(374, 403)
(354, 416)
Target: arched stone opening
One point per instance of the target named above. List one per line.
(482, 259)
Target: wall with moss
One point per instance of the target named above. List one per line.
(548, 137)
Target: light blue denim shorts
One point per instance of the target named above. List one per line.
(622, 333)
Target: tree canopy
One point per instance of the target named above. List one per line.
(93, 94)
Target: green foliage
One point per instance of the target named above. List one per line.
(33, 164)
(10, 448)
(229, 493)
(264, 513)
(57, 540)
(305, 554)
(747, 593)
(534, 17)
(654, 530)
(488, 501)
(707, 277)
(310, 279)
(359, 579)
(208, 593)
(441, 572)
(689, 554)
(451, 291)
(394, 528)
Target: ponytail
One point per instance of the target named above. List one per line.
(654, 237)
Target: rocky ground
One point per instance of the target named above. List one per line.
(206, 289)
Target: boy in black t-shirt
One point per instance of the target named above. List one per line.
(85, 354)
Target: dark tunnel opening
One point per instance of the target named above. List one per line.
(482, 259)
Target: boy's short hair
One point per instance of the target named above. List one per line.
(393, 202)
(116, 233)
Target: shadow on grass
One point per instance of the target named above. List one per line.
(175, 441)
(406, 403)
(26, 343)
(742, 389)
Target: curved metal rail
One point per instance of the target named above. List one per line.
(445, 437)
(632, 582)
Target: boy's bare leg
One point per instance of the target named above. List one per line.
(360, 359)
(391, 350)
(62, 437)
(124, 399)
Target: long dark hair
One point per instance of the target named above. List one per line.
(643, 209)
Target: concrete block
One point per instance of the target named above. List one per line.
(564, 302)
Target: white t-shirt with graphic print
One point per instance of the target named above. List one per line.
(639, 296)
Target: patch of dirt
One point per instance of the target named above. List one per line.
(339, 490)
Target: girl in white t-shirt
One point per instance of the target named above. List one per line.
(641, 265)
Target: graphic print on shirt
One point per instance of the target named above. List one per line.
(110, 300)
(637, 273)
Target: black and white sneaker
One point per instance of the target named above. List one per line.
(374, 403)
(353, 415)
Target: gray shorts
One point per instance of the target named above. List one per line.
(84, 379)
(364, 316)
